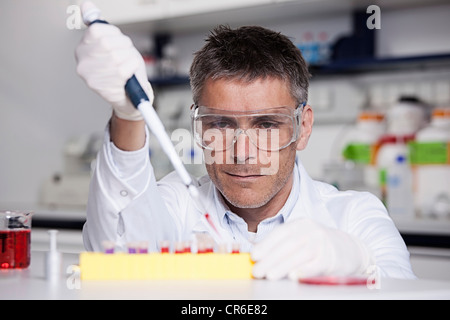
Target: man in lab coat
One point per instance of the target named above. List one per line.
(250, 115)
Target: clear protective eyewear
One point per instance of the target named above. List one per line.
(269, 129)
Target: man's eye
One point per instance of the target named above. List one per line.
(267, 125)
(218, 123)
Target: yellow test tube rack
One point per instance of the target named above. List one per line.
(151, 266)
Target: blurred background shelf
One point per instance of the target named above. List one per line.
(356, 66)
(346, 67)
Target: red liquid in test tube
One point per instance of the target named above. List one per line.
(187, 247)
(201, 247)
(209, 247)
(179, 247)
(164, 246)
(235, 247)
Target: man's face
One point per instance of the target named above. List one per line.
(247, 177)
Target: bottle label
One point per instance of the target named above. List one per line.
(429, 152)
(382, 180)
(358, 152)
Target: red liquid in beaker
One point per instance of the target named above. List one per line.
(14, 249)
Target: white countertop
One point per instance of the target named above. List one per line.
(31, 284)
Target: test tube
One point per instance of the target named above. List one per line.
(187, 246)
(108, 246)
(132, 247)
(222, 248)
(209, 247)
(179, 247)
(201, 247)
(143, 247)
(164, 246)
(235, 247)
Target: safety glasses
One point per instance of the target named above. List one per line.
(268, 129)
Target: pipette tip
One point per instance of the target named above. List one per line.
(193, 191)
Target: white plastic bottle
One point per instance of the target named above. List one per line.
(359, 144)
(430, 156)
(399, 198)
(404, 119)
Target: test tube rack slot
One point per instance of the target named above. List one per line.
(157, 266)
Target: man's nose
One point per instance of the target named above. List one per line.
(244, 149)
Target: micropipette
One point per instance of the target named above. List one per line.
(91, 14)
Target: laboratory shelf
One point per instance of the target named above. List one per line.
(425, 232)
(362, 65)
(51, 216)
(345, 67)
(169, 81)
(424, 226)
(59, 218)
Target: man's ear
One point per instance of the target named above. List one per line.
(307, 121)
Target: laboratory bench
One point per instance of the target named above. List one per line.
(31, 284)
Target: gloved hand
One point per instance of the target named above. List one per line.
(304, 248)
(106, 59)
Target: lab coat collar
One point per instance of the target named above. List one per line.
(223, 210)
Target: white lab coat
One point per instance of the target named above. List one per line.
(127, 204)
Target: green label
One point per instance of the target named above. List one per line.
(382, 177)
(429, 152)
(358, 152)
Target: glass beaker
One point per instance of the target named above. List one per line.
(15, 232)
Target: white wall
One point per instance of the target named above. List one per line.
(42, 100)
(415, 31)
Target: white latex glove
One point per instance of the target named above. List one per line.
(303, 248)
(106, 59)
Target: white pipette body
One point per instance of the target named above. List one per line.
(157, 128)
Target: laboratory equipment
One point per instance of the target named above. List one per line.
(53, 259)
(132, 247)
(329, 280)
(404, 119)
(360, 145)
(235, 247)
(360, 140)
(164, 246)
(108, 246)
(70, 188)
(226, 263)
(187, 247)
(430, 157)
(140, 100)
(219, 129)
(179, 247)
(407, 116)
(399, 198)
(390, 147)
(345, 175)
(15, 237)
(142, 247)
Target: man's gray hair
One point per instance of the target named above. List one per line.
(249, 53)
